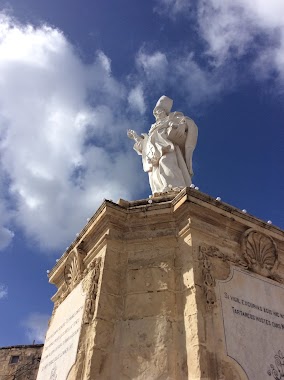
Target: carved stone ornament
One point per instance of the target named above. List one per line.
(277, 370)
(90, 286)
(74, 267)
(260, 252)
(205, 253)
(208, 279)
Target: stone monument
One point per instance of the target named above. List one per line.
(179, 286)
(167, 149)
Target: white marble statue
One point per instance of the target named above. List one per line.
(167, 148)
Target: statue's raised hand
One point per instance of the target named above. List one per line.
(133, 135)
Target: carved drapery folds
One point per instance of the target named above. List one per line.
(260, 252)
(90, 286)
(74, 267)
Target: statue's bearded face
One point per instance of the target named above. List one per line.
(159, 113)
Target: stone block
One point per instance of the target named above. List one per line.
(150, 279)
(151, 255)
(149, 332)
(115, 257)
(149, 304)
(109, 307)
(144, 364)
(104, 334)
(111, 282)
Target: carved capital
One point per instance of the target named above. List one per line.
(260, 252)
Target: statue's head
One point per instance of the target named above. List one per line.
(163, 107)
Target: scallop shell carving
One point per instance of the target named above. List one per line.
(260, 252)
(72, 272)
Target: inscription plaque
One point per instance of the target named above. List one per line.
(62, 338)
(253, 317)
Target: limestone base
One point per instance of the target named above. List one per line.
(151, 273)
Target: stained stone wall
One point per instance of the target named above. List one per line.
(176, 287)
(20, 362)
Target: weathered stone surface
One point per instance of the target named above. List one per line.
(149, 304)
(152, 279)
(20, 362)
(139, 364)
(110, 307)
(153, 274)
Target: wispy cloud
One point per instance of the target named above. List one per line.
(237, 29)
(136, 99)
(172, 8)
(238, 26)
(3, 291)
(168, 71)
(154, 65)
(36, 326)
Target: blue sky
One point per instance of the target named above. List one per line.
(75, 75)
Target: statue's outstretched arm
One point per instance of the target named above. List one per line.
(138, 140)
(133, 135)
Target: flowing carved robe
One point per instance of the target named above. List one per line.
(166, 155)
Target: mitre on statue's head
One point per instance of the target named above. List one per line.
(165, 103)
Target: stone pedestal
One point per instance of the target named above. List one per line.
(172, 288)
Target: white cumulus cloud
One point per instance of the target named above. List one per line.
(63, 141)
